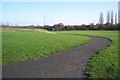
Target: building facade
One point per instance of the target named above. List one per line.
(119, 12)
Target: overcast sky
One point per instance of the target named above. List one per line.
(68, 13)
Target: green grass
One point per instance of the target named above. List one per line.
(23, 45)
(104, 64)
(20, 45)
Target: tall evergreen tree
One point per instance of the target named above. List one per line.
(108, 17)
(112, 16)
(101, 19)
(116, 18)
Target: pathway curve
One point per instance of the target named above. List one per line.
(69, 64)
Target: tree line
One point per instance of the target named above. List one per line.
(110, 24)
(111, 18)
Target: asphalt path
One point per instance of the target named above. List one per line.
(68, 64)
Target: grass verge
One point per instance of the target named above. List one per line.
(24, 45)
(105, 63)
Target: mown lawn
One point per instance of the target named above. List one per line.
(21, 45)
(25, 45)
(105, 63)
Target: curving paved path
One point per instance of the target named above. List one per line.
(69, 64)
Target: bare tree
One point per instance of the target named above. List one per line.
(101, 19)
(112, 15)
(115, 18)
(108, 17)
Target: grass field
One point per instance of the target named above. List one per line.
(25, 44)
(105, 63)
(20, 45)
